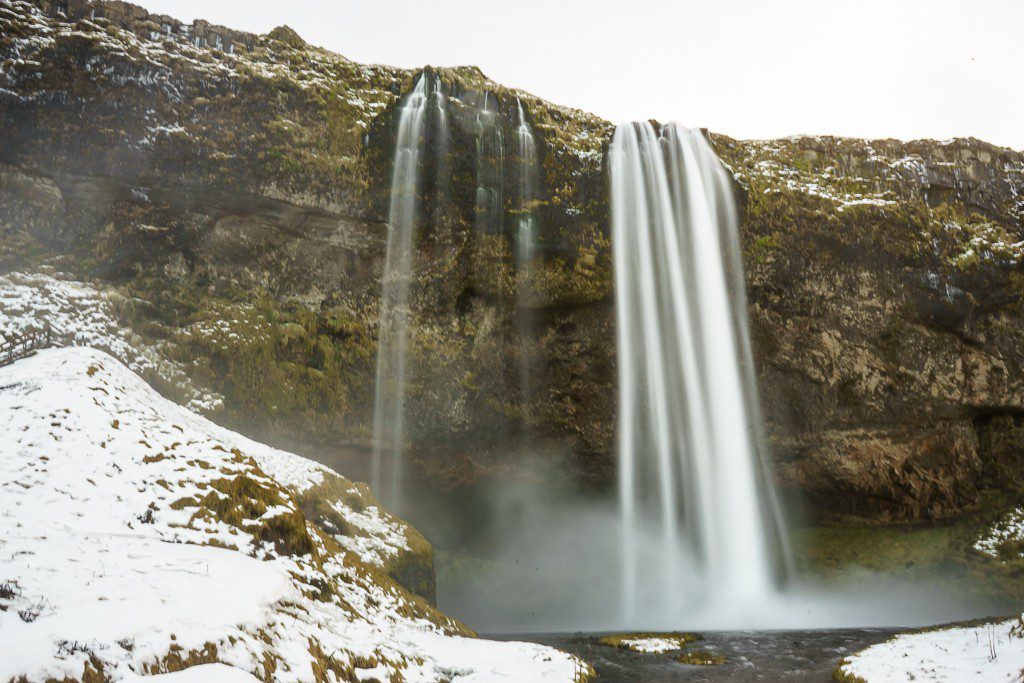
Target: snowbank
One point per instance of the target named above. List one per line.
(139, 538)
(985, 652)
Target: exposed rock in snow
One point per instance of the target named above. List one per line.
(1005, 538)
(81, 315)
(985, 652)
(138, 538)
(653, 645)
(650, 643)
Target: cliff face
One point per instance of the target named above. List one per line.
(247, 185)
(886, 305)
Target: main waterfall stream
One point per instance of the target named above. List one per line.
(696, 511)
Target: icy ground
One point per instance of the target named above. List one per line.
(137, 537)
(988, 652)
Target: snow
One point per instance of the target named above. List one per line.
(383, 538)
(469, 660)
(1008, 529)
(654, 645)
(204, 673)
(109, 554)
(989, 652)
(82, 315)
(155, 132)
(866, 201)
(118, 591)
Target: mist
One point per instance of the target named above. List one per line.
(544, 556)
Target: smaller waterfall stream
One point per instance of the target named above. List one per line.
(525, 254)
(526, 148)
(490, 168)
(389, 385)
(695, 509)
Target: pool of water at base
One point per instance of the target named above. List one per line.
(750, 655)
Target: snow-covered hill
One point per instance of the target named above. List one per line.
(139, 538)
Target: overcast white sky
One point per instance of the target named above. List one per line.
(748, 68)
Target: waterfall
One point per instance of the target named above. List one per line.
(526, 147)
(697, 512)
(389, 386)
(490, 169)
(526, 247)
(442, 170)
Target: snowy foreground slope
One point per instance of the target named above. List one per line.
(985, 652)
(138, 538)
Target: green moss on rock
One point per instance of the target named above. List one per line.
(700, 658)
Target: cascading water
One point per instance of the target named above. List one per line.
(389, 389)
(442, 175)
(526, 147)
(490, 169)
(696, 509)
(526, 248)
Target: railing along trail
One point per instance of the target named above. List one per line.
(18, 345)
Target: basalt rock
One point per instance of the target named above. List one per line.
(886, 313)
(201, 170)
(925, 474)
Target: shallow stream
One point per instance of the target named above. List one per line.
(750, 655)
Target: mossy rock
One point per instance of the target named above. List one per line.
(701, 658)
(623, 640)
(241, 502)
(840, 676)
(864, 556)
(412, 568)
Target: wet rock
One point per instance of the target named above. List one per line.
(887, 475)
